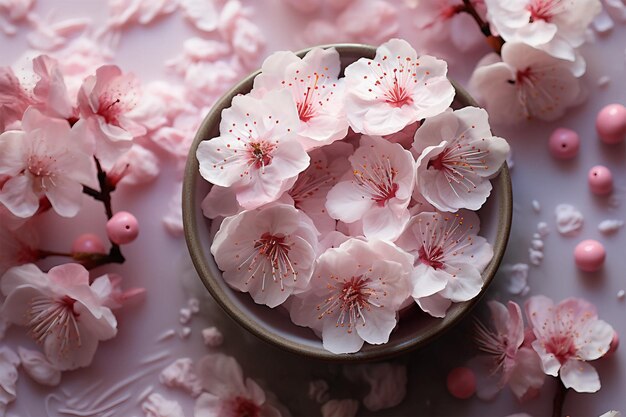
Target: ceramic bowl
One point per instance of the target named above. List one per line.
(415, 328)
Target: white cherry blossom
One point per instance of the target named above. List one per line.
(354, 294)
(457, 156)
(318, 93)
(47, 159)
(61, 311)
(377, 190)
(525, 83)
(395, 89)
(449, 258)
(257, 152)
(269, 252)
(568, 335)
(554, 26)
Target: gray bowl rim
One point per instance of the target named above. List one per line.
(501, 182)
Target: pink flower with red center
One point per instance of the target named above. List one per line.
(47, 159)
(457, 156)
(395, 89)
(554, 26)
(104, 100)
(524, 83)
(569, 335)
(269, 252)
(228, 393)
(354, 294)
(61, 310)
(506, 359)
(257, 153)
(449, 258)
(377, 190)
(317, 92)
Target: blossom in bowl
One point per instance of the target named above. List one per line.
(554, 26)
(104, 101)
(457, 156)
(269, 252)
(569, 334)
(377, 190)
(395, 89)
(227, 393)
(61, 310)
(47, 159)
(354, 294)
(449, 258)
(317, 92)
(524, 83)
(506, 358)
(257, 153)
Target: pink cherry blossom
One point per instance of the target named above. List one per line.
(457, 156)
(444, 21)
(269, 252)
(61, 311)
(48, 159)
(38, 367)
(449, 257)
(525, 83)
(104, 101)
(550, 25)
(340, 408)
(354, 294)
(257, 152)
(395, 89)
(377, 191)
(248, 42)
(317, 92)
(9, 361)
(228, 393)
(14, 100)
(569, 335)
(507, 359)
(220, 202)
(161, 103)
(50, 91)
(206, 81)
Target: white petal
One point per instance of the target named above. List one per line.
(580, 376)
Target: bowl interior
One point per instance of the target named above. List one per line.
(415, 328)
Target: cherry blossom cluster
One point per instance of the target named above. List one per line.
(535, 70)
(56, 146)
(348, 199)
(559, 341)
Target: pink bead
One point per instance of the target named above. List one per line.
(461, 383)
(564, 143)
(88, 243)
(611, 123)
(614, 345)
(600, 180)
(122, 228)
(589, 255)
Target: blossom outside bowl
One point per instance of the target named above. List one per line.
(414, 328)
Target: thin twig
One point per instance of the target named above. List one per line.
(495, 42)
